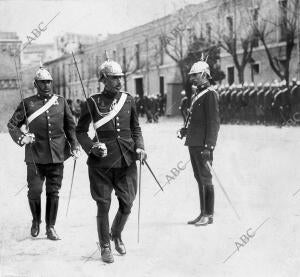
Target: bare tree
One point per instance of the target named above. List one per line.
(266, 26)
(130, 66)
(176, 38)
(234, 34)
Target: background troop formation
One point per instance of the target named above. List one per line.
(268, 104)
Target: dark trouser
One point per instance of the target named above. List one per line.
(53, 173)
(102, 182)
(204, 180)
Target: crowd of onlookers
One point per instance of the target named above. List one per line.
(152, 106)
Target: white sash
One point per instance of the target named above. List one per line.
(42, 109)
(112, 113)
(198, 96)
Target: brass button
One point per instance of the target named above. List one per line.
(47, 111)
(118, 130)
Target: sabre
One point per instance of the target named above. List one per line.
(74, 166)
(153, 175)
(85, 95)
(26, 119)
(20, 190)
(222, 188)
(139, 208)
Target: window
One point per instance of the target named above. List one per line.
(97, 62)
(137, 55)
(255, 39)
(229, 21)
(282, 19)
(255, 68)
(124, 58)
(161, 51)
(208, 32)
(230, 75)
(75, 75)
(161, 85)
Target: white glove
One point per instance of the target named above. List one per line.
(28, 138)
(76, 153)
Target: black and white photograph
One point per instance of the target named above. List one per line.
(149, 138)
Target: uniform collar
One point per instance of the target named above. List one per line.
(45, 95)
(110, 95)
(202, 87)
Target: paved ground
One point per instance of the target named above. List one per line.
(258, 167)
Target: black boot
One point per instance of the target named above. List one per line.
(210, 201)
(116, 230)
(51, 213)
(204, 219)
(35, 208)
(195, 220)
(202, 206)
(103, 235)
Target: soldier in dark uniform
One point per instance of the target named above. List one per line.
(49, 137)
(295, 100)
(112, 159)
(183, 106)
(281, 104)
(268, 100)
(201, 137)
(260, 102)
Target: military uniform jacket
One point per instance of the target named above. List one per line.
(122, 135)
(204, 122)
(53, 130)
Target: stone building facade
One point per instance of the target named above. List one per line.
(150, 70)
(9, 92)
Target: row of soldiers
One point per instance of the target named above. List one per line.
(152, 106)
(270, 104)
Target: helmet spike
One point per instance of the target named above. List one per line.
(106, 56)
(202, 57)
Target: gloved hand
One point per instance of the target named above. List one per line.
(76, 152)
(206, 155)
(28, 138)
(181, 133)
(142, 155)
(99, 149)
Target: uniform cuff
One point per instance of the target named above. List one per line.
(19, 140)
(209, 147)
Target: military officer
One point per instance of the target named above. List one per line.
(111, 154)
(201, 137)
(49, 136)
(295, 99)
(183, 107)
